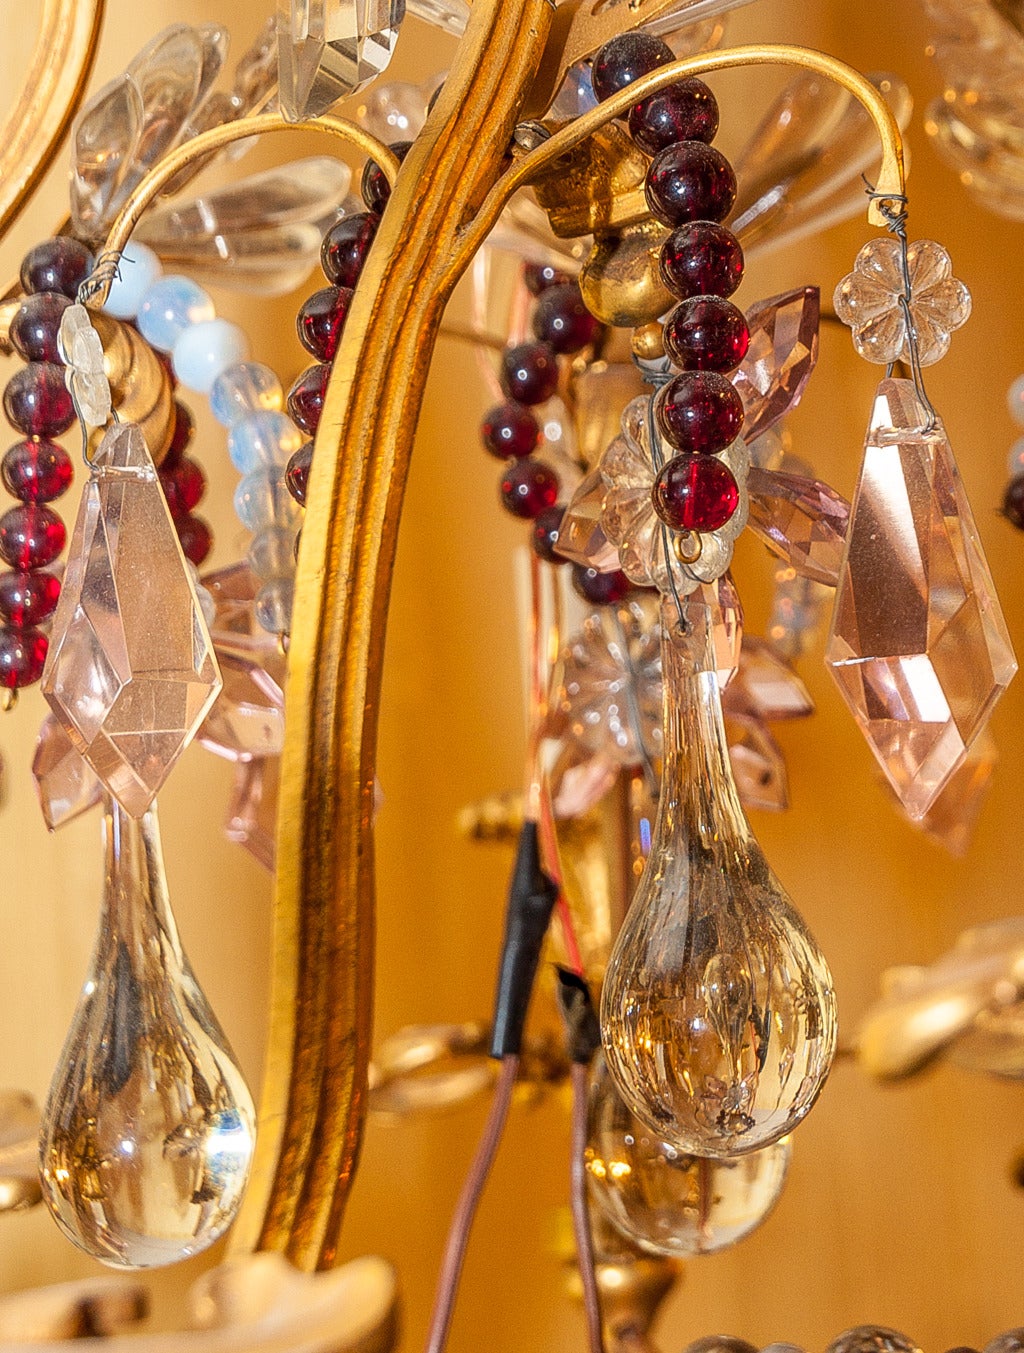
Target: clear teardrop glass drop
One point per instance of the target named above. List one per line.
(149, 1128)
(718, 1014)
(669, 1201)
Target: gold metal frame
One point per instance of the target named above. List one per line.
(54, 84)
(445, 200)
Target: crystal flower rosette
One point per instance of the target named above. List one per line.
(871, 301)
(646, 545)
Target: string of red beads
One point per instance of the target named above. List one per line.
(691, 187)
(529, 375)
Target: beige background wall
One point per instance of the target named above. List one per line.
(899, 1208)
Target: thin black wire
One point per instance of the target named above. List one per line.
(893, 209)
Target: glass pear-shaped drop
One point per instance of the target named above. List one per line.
(149, 1128)
(718, 1015)
(669, 1201)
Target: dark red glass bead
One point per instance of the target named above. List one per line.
(195, 537)
(306, 397)
(544, 536)
(36, 400)
(600, 589)
(529, 372)
(625, 59)
(375, 187)
(701, 258)
(184, 485)
(528, 487)
(296, 476)
(22, 657)
(321, 320)
(345, 247)
(510, 430)
(35, 326)
(181, 437)
(690, 182)
(687, 111)
(706, 333)
(1013, 502)
(699, 411)
(31, 536)
(60, 264)
(36, 471)
(539, 276)
(27, 598)
(695, 493)
(562, 320)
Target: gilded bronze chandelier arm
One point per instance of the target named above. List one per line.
(208, 143)
(524, 171)
(50, 95)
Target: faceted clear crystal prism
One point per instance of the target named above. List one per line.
(581, 537)
(67, 786)
(331, 48)
(801, 520)
(131, 672)
(918, 646)
(781, 356)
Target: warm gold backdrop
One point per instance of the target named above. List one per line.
(899, 1208)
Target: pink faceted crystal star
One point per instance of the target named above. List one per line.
(870, 301)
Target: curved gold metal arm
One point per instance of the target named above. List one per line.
(208, 143)
(53, 87)
(890, 176)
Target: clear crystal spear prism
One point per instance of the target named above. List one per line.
(131, 671)
(918, 647)
(330, 48)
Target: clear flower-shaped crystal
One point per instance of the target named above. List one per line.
(647, 548)
(870, 301)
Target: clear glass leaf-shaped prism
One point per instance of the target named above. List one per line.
(330, 48)
(131, 671)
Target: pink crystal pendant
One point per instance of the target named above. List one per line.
(131, 671)
(918, 646)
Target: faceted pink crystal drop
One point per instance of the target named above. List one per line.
(918, 647)
(766, 687)
(247, 718)
(802, 520)
(758, 766)
(252, 810)
(131, 671)
(581, 536)
(781, 356)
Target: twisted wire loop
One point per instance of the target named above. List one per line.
(894, 210)
(106, 271)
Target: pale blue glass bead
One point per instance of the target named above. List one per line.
(1015, 460)
(1015, 400)
(248, 387)
(171, 306)
(138, 270)
(263, 439)
(262, 499)
(272, 553)
(274, 605)
(205, 350)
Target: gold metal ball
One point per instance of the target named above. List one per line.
(648, 342)
(139, 384)
(621, 280)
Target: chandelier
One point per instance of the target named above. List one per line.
(554, 209)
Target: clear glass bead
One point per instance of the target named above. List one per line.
(205, 350)
(263, 439)
(272, 553)
(169, 307)
(1015, 400)
(1015, 460)
(274, 605)
(262, 499)
(138, 270)
(243, 389)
